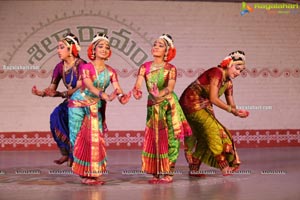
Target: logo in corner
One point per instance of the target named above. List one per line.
(245, 8)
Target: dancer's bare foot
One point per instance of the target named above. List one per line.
(166, 179)
(227, 171)
(154, 180)
(236, 168)
(62, 160)
(70, 162)
(196, 174)
(91, 181)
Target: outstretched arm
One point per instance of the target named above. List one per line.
(49, 91)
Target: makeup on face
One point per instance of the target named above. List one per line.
(103, 44)
(240, 68)
(102, 47)
(158, 48)
(61, 46)
(62, 50)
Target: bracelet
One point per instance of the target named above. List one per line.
(65, 94)
(234, 112)
(100, 94)
(229, 109)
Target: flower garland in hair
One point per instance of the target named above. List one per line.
(169, 40)
(238, 55)
(75, 48)
(225, 62)
(90, 50)
(74, 51)
(171, 54)
(171, 49)
(100, 36)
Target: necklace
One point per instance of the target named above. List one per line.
(65, 71)
(156, 66)
(98, 68)
(68, 67)
(98, 79)
(223, 77)
(156, 69)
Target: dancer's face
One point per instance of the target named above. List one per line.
(62, 50)
(235, 70)
(159, 48)
(102, 50)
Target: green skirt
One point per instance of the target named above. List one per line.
(209, 140)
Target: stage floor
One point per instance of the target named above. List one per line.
(265, 173)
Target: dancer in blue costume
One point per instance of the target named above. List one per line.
(67, 71)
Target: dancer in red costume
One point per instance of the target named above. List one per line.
(211, 142)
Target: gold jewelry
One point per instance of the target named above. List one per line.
(229, 109)
(223, 76)
(120, 95)
(67, 68)
(97, 74)
(68, 85)
(98, 68)
(156, 66)
(64, 94)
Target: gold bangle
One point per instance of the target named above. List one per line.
(229, 109)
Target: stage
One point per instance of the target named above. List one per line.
(265, 173)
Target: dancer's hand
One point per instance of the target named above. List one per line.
(154, 90)
(113, 95)
(50, 92)
(37, 92)
(125, 98)
(243, 113)
(240, 113)
(137, 93)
